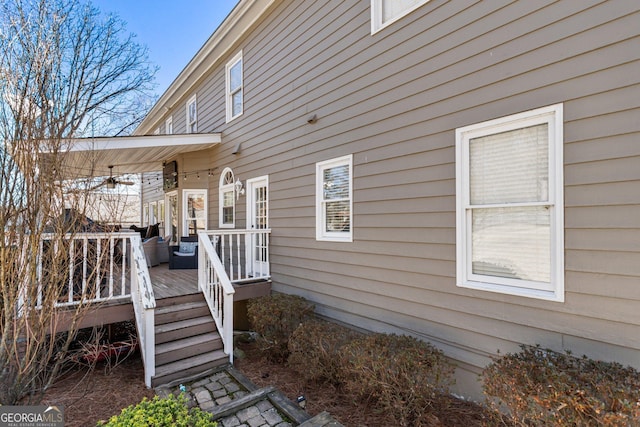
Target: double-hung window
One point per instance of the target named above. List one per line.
(227, 202)
(192, 115)
(234, 87)
(384, 12)
(334, 199)
(510, 205)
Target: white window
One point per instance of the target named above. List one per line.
(192, 115)
(195, 211)
(153, 213)
(509, 202)
(168, 126)
(172, 215)
(161, 218)
(227, 200)
(384, 12)
(334, 200)
(234, 87)
(145, 214)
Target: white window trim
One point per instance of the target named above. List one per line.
(229, 95)
(185, 217)
(145, 214)
(168, 126)
(192, 100)
(250, 198)
(153, 212)
(376, 15)
(167, 214)
(223, 188)
(161, 217)
(553, 115)
(321, 234)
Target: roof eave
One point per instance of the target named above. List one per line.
(242, 18)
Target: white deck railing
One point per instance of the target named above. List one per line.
(103, 267)
(96, 264)
(244, 253)
(227, 256)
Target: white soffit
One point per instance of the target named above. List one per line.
(129, 154)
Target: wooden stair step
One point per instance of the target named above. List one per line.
(178, 307)
(177, 300)
(174, 313)
(187, 367)
(183, 348)
(184, 328)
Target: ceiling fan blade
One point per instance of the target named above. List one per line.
(95, 187)
(125, 182)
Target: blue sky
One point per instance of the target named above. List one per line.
(173, 31)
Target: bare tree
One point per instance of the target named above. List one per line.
(64, 70)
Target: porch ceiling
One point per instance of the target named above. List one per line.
(84, 157)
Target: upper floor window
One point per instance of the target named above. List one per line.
(192, 115)
(168, 126)
(384, 12)
(509, 205)
(227, 199)
(334, 200)
(234, 87)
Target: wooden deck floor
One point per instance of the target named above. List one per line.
(170, 283)
(166, 284)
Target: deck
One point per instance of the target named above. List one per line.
(172, 283)
(166, 284)
(184, 327)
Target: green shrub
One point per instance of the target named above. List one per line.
(315, 348)
(274, 318)
(157, 412)
(543, 387)
(401, 375)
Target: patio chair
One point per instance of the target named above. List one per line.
(150, 247)
(185, 255)
(163, 249)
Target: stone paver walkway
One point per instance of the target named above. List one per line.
(234, 401)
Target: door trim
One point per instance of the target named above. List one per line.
(250, 185)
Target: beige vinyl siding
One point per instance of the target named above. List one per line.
(151, 189)
(394, 100)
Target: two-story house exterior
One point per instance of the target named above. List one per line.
(464, 172)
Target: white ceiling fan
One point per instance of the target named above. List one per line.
(111, 182)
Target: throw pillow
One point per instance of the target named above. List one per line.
(188, 247)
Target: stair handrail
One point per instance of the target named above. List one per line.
(218, 291)
(144, 304)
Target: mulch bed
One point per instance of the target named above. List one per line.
(89, 395)
(327, 397)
